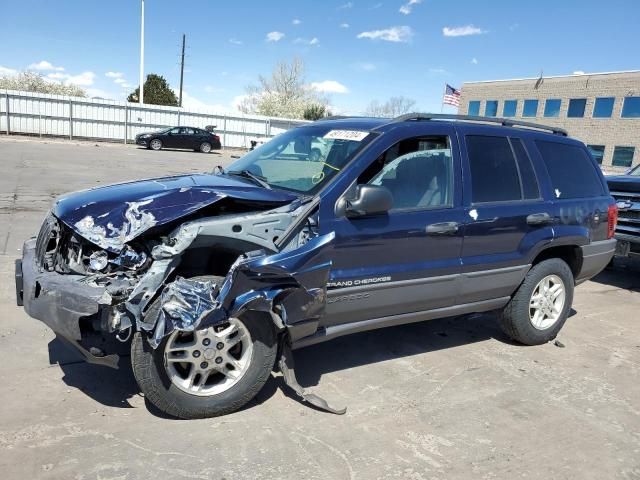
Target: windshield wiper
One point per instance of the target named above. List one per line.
(257, 179)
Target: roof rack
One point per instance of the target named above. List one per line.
(469, 118)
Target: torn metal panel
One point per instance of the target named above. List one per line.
(183, 303)
(292, 282)
(288, 372)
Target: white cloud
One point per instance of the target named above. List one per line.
(474, 60)
(7, 72)
(235, 41)
(345, 6)
(329, 86)
(344, 25)
(274, 36)
(45, 66)
(438, 71)
(408, 7)
(393, 34)
(366, 66)
(114, 74)
(514, 26)
(190, 102)
(463, 31)
(296, 21)
(579, 72)
(304, 41)
(83, 79)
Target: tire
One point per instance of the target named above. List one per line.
(205, 147)
(155, 144)
(518, 319)
(154, 381)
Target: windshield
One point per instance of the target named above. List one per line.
(635, 171)
(303, 159)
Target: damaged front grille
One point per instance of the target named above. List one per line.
(47, 243)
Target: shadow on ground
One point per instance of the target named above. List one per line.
(622, 273)
(114, 388)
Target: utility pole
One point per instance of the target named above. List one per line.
(184, 37)
(141, 97)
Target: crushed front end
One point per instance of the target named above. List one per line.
(57, 285)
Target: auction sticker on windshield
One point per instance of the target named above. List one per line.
(353, 135)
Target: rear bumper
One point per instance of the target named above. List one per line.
(59, 301)
(595, 257)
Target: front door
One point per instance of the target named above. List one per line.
(173, 139)
(407, 260)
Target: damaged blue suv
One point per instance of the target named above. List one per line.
(214, 278)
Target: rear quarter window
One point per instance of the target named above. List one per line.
(572, 173)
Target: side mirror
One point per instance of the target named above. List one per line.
(370, 200)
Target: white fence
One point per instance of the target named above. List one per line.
(77, 117)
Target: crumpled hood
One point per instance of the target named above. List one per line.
(113, 215)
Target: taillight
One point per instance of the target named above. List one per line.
(612, 220)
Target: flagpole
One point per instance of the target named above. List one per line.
(444, 92)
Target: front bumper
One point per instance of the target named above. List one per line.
(141, 141)
(59, 301)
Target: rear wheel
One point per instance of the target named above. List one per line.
(537, 311)
(207, 372)
(155, 144)
(205, 147)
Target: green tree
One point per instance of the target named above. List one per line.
(315, 111)
(156, 92)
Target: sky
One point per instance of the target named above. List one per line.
(354, 51)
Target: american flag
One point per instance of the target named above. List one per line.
(451, 96)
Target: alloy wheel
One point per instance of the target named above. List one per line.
(208, 362)
(547, 302)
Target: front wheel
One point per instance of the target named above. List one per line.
(537, 311)
(209, 372)
(155, 144)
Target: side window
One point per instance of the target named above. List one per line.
(187, 131)
(572, 172)
(494, 173)
(418, 172)
(175, 131)
(528, 178)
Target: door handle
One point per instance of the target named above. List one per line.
(443, 228)
(539, 219)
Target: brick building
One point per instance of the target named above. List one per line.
(601, 109)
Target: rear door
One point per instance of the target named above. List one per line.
(407, 260)
(506, 217)
(189, 138)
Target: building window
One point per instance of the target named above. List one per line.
(552, 107)
(474, 108)
(509, 108)
(631, 107)
(623, 156)
(530, 108)
(491, 108)
(597, 151)
(603, 108)
(576, 107)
